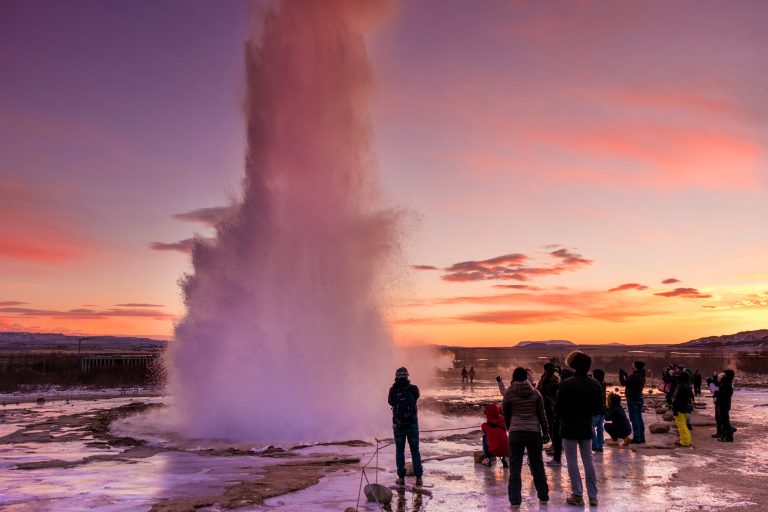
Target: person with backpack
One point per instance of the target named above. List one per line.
(633, 391)
(577, 402)
(524, 416)
(495, 441)
(682, 406)
(405, 424)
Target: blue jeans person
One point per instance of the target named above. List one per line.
(519, 442)
(410, 433)
(635, 408)
(598, 434)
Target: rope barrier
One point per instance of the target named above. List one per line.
(379, 447)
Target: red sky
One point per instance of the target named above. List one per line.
(559, 163)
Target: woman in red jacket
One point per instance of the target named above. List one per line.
(495, 441)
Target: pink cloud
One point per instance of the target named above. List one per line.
(423, 267)
(87, 314)
(689, 293)
(671, 280)
(513, 267)
(628, 286)
(207, 216)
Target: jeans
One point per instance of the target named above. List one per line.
(410, 433)
(519, 442)
(682, 428)
(486, 453)
(635, 408)
(585, 447)
(598, 436)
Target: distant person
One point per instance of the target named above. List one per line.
(405, 424)
(723, 398)
(697, 382)
(616, 422)
(633, 391)
(524, 416)
(682, 406)
(598, 438)
(471, 375)
(464, 375)
(548, 384)
(577, 402)
(495, 440)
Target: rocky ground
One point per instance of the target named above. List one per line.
(69, 455)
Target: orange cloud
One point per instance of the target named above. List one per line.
(671, 280)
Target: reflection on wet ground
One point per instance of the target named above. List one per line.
(711, 476)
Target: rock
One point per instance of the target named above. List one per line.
(350, 509)
(668, 416)
(701, 405)
(478, 455)
(378, 492)
(40, 401)
(659, 428)
(661, 410)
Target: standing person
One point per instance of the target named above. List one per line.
(495, 441)
(526, 420)
(682, 406)
(464, 375)
(547, 386)
(556, 433)
(697, 382)
(471, 375)
(633, 391)
(723, 397)
(598, 438)
(577, 402)
(405, 423)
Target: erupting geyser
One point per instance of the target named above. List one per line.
(284, 337)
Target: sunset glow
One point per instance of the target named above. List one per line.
(589, 171)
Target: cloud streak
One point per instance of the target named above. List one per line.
(688, 293)
(206, 216)
(628, 286)
(86, 314)
(514, 266)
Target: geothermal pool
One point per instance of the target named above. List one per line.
(75, 456)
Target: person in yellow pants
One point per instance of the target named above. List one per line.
(682, 405)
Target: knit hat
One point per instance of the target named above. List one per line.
(401, 373)
(639, 365)
(579, 361)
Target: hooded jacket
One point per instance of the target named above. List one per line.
(523, 408)
(578, 400)
(615, 415)
(495, 431)
(682, 401)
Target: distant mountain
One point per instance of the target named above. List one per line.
(744, 339)
(545, 344)
(21, 342)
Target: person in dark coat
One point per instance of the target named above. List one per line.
(578, 400)
(682, 406)
(524, 416)
(405, 424)
(555, 431)
(633, 391)
(616, 422)
(598, 439)
(723, 397)
(697, 382)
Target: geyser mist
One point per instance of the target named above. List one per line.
(284, 337)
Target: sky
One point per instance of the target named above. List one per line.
(582, 170)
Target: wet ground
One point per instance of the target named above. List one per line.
(87, 454)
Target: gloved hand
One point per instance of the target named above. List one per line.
(545, 439)
(498, 378)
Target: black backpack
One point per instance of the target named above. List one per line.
(405, 406)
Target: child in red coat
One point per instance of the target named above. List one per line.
(495, 441)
